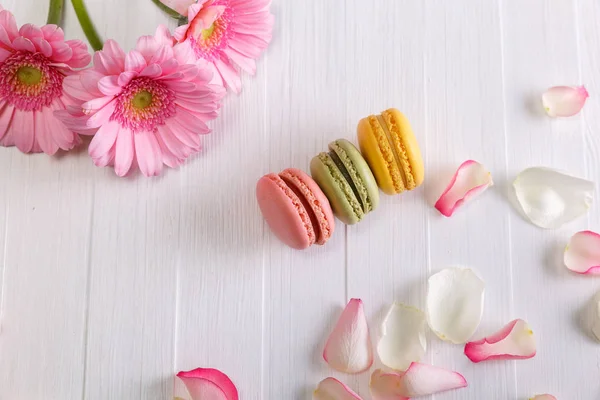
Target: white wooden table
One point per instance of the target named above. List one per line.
(110, 286)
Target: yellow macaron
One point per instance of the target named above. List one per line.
(388, 144)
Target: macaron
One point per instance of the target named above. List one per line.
(295, 208)
(388, 144)
(347, 181)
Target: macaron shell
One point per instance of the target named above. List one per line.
(409, 143)
(359, 171)
(316, 200)
(380, 159)
(344, 203)
(284, 212)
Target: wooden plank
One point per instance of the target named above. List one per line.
(220, 298)
(387, 251)
(541, 51)
(465, 120)
(135, 251)
(306, 109)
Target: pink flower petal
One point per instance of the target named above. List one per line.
(202, 381)
(23, 130)
(124, 152)
(181, 6)
(24, 44)
(470, 180)
(543, 397)
(109, 85)
(148, 154)
(564, 101)
(348, 347)
(418, 380)
(513, 342)
(104, 140)
(582, 254)
(53, 33)
(332, 389)
(135, 61)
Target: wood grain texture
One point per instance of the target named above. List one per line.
(110, 286)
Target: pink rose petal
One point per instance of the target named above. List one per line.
(348, 347)
(513, 342)
(564, 101)
(208, 383)
(418, 380)
(470, 180)
(582, 254)
(543, 397)
(332, 389)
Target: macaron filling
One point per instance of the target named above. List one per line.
(311, 204)
(298, 202)
(346, 166)
(400, 152)
(343, 182)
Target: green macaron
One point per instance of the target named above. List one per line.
(347, 181)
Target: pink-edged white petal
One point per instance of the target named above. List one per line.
(543, 397)
(418, 380)
(402, 337)
(582, 254)
(470, 180)
(332, 389)
(515, 341)
(208, 383)
(596, 323)
(455, 298)
(348, 348)
(551, 198)
(564, 101)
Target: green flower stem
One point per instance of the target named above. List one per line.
(86, 24)
(55, 12)
(167, 10)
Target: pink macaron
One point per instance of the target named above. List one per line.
(295, 208)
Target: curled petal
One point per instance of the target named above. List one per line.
(332, 389)
(551, 198)
(543, 397)
(470, 180)
(513, 342)
(564, 101)
(596, 326)
(582, 254)
(402, 337)
(208, 383)
(455, 304)
(418, 380)
(348, 348)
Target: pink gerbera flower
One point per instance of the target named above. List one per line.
(228, 33)
(146, 107)
(33, 65)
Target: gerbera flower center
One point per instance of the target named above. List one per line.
(207, 42)
(29, 82)
(142, 99)
(144, 104)
(29, 75)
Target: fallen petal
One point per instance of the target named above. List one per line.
(348, 348)
(543, 397)
(332, 389)
(418, 380)
(455, 304)
(208, 383)
(551, 198)
(582, 254)
(470, 180)
(564, 101)
(596, 326)
(402, 337)
(513, 342)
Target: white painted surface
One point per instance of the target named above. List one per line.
(109, 286)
